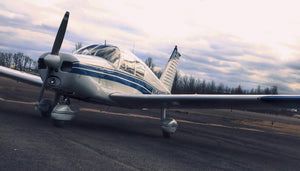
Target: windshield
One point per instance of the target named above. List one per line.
(86, 50)
(108, 52)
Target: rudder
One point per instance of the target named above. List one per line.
(167, 77)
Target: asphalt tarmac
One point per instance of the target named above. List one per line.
(109, 138)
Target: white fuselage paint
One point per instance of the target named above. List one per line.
(93, 78)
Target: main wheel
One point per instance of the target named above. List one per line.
(166, 134)
(58, 123)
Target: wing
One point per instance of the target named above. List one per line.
(207, 101)
(21, 76)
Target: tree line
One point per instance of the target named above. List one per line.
(191, 85)
(181, 85)
(18, 61)
(22, 62)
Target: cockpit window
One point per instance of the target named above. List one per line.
(108, 52)
(128, 66)
(139, 70)
(86, 50)
(133, 67)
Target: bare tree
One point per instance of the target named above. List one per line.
(8, 59)
(239, 90)
(78, 45)
(220, 89)
(274, 90)
(30, 64)
(26, 62)
(18, 60)
(2, 59)
(149, 63)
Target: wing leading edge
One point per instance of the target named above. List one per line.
(21, 76)
(207, 101)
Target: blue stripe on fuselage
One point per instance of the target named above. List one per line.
(113, 76)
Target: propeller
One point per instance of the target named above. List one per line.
(52, 60)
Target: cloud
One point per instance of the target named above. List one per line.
(247, 43)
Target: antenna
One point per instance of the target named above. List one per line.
(133, 47)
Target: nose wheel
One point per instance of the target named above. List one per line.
(46, 106)
(59, 110)
(62, 112)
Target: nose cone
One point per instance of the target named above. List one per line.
(52, 61)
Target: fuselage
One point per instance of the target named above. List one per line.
(94, 72)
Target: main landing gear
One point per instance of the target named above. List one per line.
(168, 125)
(59, 110)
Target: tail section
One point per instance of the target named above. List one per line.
(168, 75)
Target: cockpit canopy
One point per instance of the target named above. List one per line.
(120, 59)
(108, 52)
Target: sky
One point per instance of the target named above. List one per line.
(246, 42)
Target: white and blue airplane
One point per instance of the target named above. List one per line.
(110, 75)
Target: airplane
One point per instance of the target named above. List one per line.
(111, 75)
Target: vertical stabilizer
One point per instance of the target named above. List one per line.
(168, 75)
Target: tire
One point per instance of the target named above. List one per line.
(58, 123)
(166, 134)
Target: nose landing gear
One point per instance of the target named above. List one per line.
(45, 107)
(59, 110)
(62, 113)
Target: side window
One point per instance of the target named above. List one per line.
(116, 63)
(127, 66)
(139, 70)
(123, 66)
(130, 67)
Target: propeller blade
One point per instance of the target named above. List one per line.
(52, 60)
(60, 34)
(43, 88)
